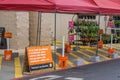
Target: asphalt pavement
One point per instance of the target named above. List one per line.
(107, 70)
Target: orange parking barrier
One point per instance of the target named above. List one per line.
(8, 55)
(100, 44)
(110, 51)
(63, 61)
(67, 48)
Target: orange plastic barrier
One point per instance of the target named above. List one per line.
(111, 51)
(8, 55)
(63, 61)
(100, 44)
(67, 48)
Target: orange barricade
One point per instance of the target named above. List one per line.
(8, 55)
(63, 61)
(110, 51)
(100, 44)
(67, 48)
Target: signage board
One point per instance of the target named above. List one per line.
(39, 57)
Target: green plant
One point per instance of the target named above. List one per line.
(87, 30)
(71, 31)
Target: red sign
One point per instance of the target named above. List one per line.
(71, 24)
(71, 37)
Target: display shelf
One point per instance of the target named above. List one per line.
(114, 28)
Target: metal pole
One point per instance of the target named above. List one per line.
(8, 43)
(98, 34)
(111, 41)
(105, 19)
(40, 15)
(38, 39)
(77, 35)
(37, 30)
(54, 55)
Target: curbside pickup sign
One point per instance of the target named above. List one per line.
(39, 57)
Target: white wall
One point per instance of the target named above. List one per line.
(23, 25)
(18, 24)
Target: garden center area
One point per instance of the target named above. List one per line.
(86, 41)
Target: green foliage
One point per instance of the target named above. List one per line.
(88, 30)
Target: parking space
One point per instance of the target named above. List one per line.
(14, 68)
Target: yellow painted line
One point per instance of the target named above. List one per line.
(69, 62)
(18, 70)
(0, 62)
(99, 55)
(113, 45)
(84, 54)
(84, 47)
(58, 42)
(86, 62)
(105, 51)
(56, 65)
(116, 46)
(87, 47)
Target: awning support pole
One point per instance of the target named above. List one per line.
(98, 34)
(54, 55)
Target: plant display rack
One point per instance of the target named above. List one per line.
(85, 30)
(115, 30)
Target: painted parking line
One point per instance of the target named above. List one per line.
(107, 52)
(104, 51)
(116, 46)
(77, 57)
(113, 45)
(56, 65)
(18, 70)
(0, 62)
(99, 55)
(84, 54)
(69, 62)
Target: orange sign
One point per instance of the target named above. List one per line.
(39, 55)
(8, 35)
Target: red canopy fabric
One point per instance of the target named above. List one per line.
(69, 6)
(27, 5)
(76, 6)
(108, 6)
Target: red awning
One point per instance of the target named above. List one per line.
(76, 6)
(69, 6)
(108, 6)
(27, 5)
